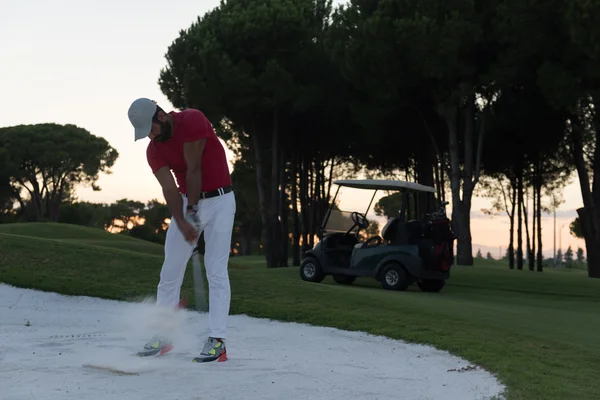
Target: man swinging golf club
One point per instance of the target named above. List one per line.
(200, 200)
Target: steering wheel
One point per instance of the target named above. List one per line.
(376, 238)
(360, 220)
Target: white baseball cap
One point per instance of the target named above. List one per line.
(140, 115)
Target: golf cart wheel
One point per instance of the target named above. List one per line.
(344, 280)
(394, 277)
(431, 285)
(311, 271)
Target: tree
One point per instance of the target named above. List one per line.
(447, 52)
(479, 256)
(508, 256)
(47, 161)
(575, 228)
(372, 230)
(569, 79)
(390, 206)
(143, 221)
(127, 212)
(501, 188)
(559, 257)
(8, 195)
(155, 214)
(528, 123)
(580, 255)
(522, 119)
(247, 221)
(84, 213)
(453, 53)
(489, 256)
(252, 65)
(398, 129)
(569, 257)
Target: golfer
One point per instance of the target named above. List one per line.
(201, 199)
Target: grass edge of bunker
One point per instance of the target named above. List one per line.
(411, 251)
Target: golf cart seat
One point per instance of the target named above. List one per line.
(398, 232)
(339, 241)
(372, 241)
(339, 247)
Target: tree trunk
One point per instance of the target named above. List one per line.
(284, 211)
(462, 224)
(323, 187)
(534, 219)
(37, 200)
(316, 198)
(311, 203)
(433, 155)
(52, 198)
(275, 223)
(296, 256)
(263, 199)
(443, 176)
(304, 202)
(55, 199)
(520, 220)
(592, 240)
(511, 216)
(532, 255)
(330, 180)
(324, 199)
(425, 172)
(458, 217)
(436, 172)
(527, 235)
(461, 208)
(246, 239)
(540, 256)
(588, 215)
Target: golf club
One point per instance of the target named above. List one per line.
(199, 289)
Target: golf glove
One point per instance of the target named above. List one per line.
(192, 216)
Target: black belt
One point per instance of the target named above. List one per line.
(214, 193)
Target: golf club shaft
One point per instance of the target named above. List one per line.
(199, 289)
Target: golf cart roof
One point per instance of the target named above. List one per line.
(383, 184)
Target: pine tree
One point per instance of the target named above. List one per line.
(569, 257)
(580, 256)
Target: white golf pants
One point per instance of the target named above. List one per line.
(216, 219)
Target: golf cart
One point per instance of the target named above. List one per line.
(408, 251)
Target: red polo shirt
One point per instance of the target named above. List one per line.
(190, 125)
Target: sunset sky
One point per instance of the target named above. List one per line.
(83, 63)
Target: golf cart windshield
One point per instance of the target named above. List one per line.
(339, 221)
(365, 191)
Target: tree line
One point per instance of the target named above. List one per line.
(492, 98)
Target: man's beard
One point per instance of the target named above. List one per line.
(165, 131)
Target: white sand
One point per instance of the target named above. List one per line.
(267, 359)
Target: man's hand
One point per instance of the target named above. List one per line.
(188, 222)
(191, 224)
(188, 230)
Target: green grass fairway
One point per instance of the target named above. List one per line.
(536, 331)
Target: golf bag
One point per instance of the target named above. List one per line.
(443, 240)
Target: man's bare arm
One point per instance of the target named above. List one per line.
(192, 153)
(171, 193)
